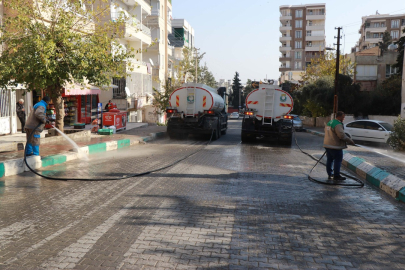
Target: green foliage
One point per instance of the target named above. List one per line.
(236, 88)
(400, 57)
(248, 88)
(161, 98)
(386, 40)
(51, 43)
(316, 99)
(325, 65)
(397, 137)
(386, 99)
(207, 78)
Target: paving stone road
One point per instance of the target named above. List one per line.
(228, 206)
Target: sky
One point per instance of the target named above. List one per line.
(243, 36)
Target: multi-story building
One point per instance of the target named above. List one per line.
(182, 36)
(135, 34)
(159, 22)
(374, 26)
(302, 38)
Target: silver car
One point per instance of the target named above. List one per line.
(297, 122)
(369, 130)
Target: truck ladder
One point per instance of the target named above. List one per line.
(190, 111)
(268, 105)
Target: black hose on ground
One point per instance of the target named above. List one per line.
(107, 179)
(331, 183)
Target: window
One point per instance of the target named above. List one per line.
(357, 124)
(297, 65)
(309, 33)
(372, 126)
(403, 22)
(376, 35)
(298, 13)
(376, 25)
(298, 34)
(298, 24)
(298, 44)
(395, 24)
(368, 35)
(309, 43)
(309, 23)
(390, 70)
(298, 55)
(394, 34)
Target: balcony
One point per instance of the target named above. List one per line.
(137, 67)
(284, 68)
(372, 40)
(314, 38)
(284, 58)
(134, 30)
(315, 48)
(285, 48)
(286, 38)
(315, 15)
(315, 27)
(376, 29)
(285, 27)
(286, 17)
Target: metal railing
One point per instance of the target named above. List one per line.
(5, 102)
(316, 12)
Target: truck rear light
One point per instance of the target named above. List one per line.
(209, 112)
(249, 113)
(288, 117)
(171, 111)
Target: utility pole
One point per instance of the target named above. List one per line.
(335, 98)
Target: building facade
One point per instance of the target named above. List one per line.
(374, 26)
(302, 29)
(182, 36)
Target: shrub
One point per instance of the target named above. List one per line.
(397, 137)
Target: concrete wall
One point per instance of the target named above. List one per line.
(321, 121)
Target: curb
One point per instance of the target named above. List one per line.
(17, 166)
(375, 176)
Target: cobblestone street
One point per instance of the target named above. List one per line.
(228, 206)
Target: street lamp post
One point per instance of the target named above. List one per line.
(335, 98)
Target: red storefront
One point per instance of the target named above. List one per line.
(80, 104)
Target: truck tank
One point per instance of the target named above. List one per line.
(269, 101)
(192, 98)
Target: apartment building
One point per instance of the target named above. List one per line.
(135, 34)
(182, 36)
(302, 29)
(159, 22)
(373, 27)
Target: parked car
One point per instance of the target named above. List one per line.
(234, 115)
(297, 122)
(369, 130)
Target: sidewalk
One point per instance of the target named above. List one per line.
(384, 169)
(57, 150)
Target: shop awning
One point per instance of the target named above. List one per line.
(74, 89)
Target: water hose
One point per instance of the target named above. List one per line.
(107, 179)
(333, 183)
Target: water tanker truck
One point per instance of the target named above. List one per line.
(196, 109)
(266, 114)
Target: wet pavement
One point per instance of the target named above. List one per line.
(228, 206)
(63, 145)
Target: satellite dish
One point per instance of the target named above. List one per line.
(392, 47)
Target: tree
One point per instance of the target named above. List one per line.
(400, 57)
(325, 65)
(207, 77)
(386, 99)
(50, 43)
(248, 88)
(236, 88)
(386, 40)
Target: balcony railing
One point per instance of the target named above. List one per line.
(316, 12)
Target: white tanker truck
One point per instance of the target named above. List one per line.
(266, 114)
(196, 109)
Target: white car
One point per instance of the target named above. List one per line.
(368, 130)
(234, 115)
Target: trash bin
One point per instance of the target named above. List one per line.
(115, 118)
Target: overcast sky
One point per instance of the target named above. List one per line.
(243, 36)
